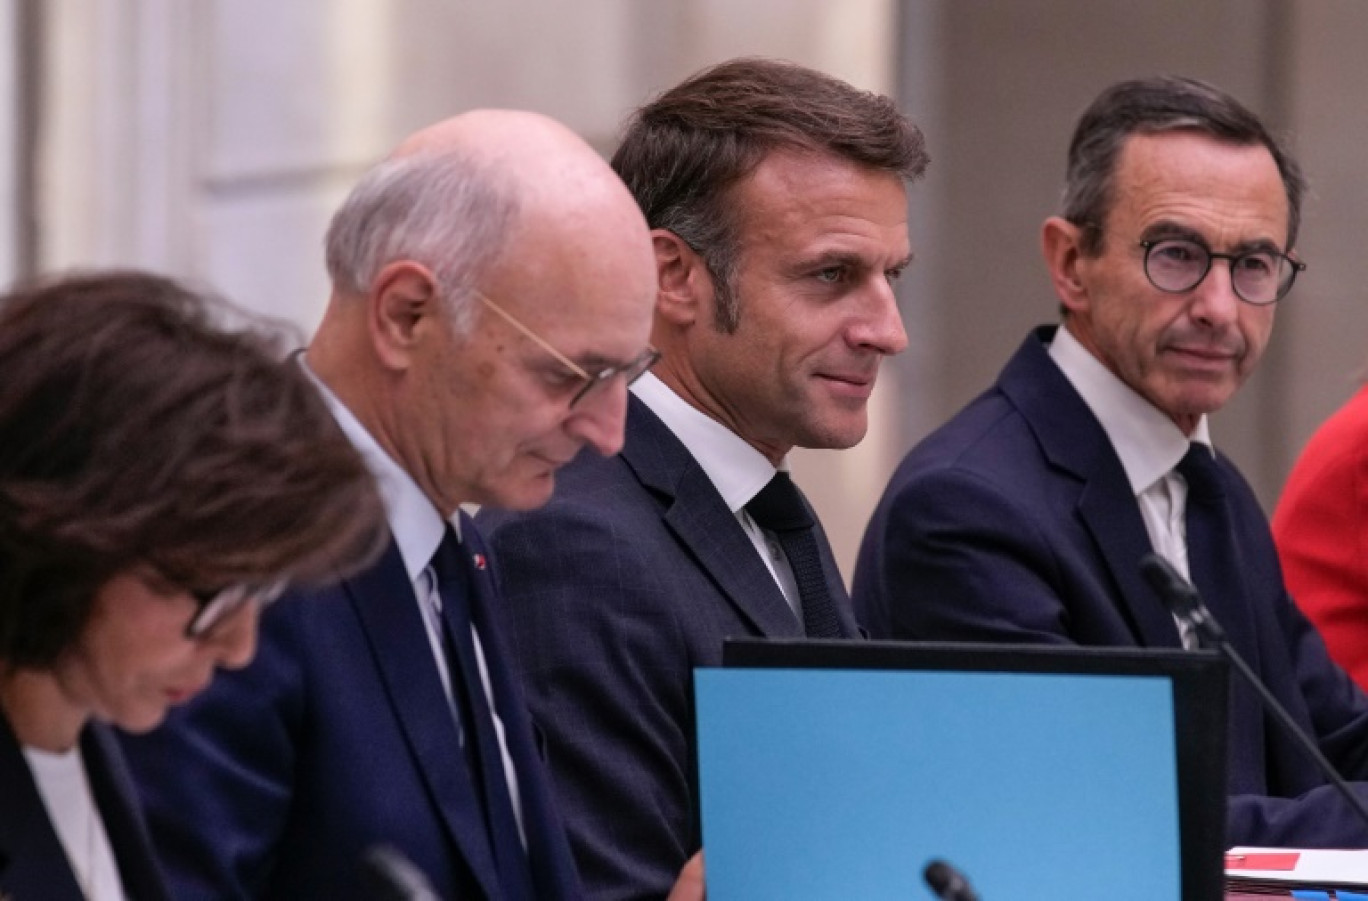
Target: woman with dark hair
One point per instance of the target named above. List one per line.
(161, 479)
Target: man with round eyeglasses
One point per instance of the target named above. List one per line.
(1025, 517)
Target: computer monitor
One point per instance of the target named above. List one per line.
(840, 769)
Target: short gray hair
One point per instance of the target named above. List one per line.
(1153, 106)
(439, 208)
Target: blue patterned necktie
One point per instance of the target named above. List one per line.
(452, 567)
(779, 508)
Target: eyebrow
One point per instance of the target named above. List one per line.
(1160, 231)
(591, 362)
(594, 363)
(845, 258)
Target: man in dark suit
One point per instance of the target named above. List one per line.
(492, 285)
(777, 205)
(1024, 519)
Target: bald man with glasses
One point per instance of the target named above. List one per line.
(484, 323)
(1024, 518)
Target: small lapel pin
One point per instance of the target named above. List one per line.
(479, 561)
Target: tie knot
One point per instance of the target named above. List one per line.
(1198, 467)
(779, 506)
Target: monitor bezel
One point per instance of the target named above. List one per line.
(1200, 681)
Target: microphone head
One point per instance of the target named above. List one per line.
(947, 882)
(938, 875)
(1176, 592)
(390, 876)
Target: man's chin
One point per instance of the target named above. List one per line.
(524, 494)
(835, 432)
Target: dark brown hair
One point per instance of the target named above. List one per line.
(137, 431)
(1155, 105)
(683, 152)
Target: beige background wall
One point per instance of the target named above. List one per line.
(212, 138)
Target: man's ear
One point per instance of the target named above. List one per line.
(1061, 244)
(682, 277)
(402, 306)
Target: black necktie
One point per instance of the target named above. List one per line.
(1211, 562)
(451, 565)
(779, 508)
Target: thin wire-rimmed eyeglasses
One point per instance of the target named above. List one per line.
(593, 381)
(219, 605)
(1260, 277)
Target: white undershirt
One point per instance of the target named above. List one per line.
(1148, 443)
(65, 790)
(737, 470)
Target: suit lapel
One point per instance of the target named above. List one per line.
(384, 600)
(845, 610)
(1114, 520)
(696, 514)
(113, 791)
(1074, 441)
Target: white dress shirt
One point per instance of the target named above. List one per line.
(418, 529)
(65, 789)
(737, 470)
(1149, 444)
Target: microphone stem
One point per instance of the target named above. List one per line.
(1290, 727)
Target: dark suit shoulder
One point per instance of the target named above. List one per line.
(588, 553)
(988, 448)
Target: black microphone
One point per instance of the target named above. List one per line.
(947, 882)
(1185, 603)
(388, 875)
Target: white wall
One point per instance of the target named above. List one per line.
(213, 138)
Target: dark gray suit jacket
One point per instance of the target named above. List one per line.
(631, 577)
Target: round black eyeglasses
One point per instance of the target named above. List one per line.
(1260, 277)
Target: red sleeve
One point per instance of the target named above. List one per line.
(1321, 528)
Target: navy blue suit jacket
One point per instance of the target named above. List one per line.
(33, 866)
(631, 577)
(336, 738)
(1015, 522)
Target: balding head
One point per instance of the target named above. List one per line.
(455, 196)
(482, 275)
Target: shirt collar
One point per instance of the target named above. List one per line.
(414, 522)
(737, 470)
(1145, 439)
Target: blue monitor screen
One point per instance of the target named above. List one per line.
(841, 784)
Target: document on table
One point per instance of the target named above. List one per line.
(1285, 869)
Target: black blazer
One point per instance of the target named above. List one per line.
(33, 866)
(630, 577)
